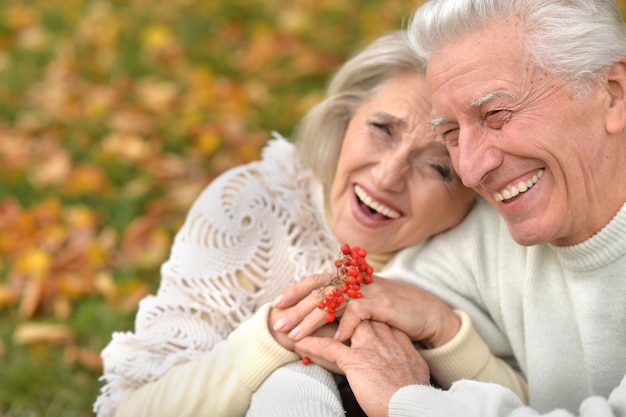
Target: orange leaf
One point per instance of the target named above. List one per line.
(86, 357)
(32, 296)
(8, 296)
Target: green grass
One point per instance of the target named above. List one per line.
(40, 380)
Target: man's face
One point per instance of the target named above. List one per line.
(518, 137)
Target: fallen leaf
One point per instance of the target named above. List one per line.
(88, 358)
(8, 296)
(32, 332)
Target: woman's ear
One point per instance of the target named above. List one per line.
(616, 109)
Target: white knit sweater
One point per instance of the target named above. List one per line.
(253, 231)
(560, 310)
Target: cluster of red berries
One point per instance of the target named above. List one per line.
(352, 271)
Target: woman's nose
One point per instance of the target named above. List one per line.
(391, 170)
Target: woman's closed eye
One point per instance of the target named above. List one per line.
(383, 127)
(444, 171)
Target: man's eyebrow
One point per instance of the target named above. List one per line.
(490, 96)
(438, 121)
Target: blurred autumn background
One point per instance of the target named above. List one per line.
(113, 116)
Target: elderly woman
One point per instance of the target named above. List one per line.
(366, 170)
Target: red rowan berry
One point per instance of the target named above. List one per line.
(352, 271)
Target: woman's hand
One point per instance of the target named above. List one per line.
(419, 314)
(299, 315)
(327, 330)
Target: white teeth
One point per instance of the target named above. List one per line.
(521, 187)
(374, 205)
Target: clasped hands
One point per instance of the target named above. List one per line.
(373, 342)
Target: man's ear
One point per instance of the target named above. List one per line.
(616, 109)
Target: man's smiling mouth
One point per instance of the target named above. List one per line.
(518, 189)
(374, 206)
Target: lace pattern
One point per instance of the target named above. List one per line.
(252, 232)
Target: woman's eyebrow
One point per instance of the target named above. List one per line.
(388, 116)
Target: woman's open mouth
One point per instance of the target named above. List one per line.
(372, 207)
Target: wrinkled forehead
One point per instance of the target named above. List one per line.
(479, 67)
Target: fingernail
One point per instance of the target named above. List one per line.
(280, 325)
(277, 301)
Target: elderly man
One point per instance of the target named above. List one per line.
(530, 98)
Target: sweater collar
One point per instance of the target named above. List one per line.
(603, 248)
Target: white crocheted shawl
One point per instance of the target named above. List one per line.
(253, 231)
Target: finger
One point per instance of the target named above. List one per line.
(311, 322)
(331, 366)
(371, 332)
(294, 293)
(294, 315)
(326, 348)
(355, 312)
(392, 336)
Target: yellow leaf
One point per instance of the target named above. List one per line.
(105, 285)
(157, 37)
(81, 217)
(19, 16)
(128, 147)
(35, 263)
(32, 332)
(208, 142)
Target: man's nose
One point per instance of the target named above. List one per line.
(475, 156)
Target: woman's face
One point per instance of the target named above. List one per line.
(395, 184)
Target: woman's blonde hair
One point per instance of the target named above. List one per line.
(320, 134)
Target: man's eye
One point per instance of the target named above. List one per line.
(496, 119)
(451, 137)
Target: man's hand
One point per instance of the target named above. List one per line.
(421, 315)
(380, 360)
